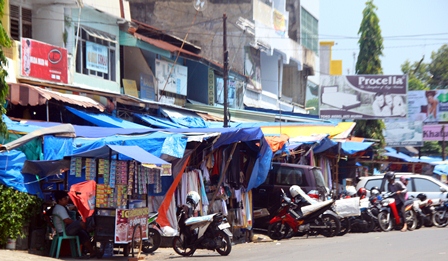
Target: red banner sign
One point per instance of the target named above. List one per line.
(44, 61)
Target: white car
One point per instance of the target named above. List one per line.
(433, 188)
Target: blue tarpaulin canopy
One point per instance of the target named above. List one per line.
(158, 122)
(104, 120)
(347, 147)
(185, 119)
(131, 152)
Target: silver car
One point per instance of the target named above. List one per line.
(433, 188)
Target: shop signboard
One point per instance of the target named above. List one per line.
(171, 77)
(147, 83)
(126, 220)
(44, 61)
(97, 57)
(435, 132)
(363, 97)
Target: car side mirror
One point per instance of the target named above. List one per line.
(443, 189)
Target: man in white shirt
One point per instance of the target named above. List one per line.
(72, 227)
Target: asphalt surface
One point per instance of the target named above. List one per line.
(159, 254)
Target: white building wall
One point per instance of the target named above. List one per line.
(269, 73)
(48, 24)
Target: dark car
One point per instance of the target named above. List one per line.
(283, 176)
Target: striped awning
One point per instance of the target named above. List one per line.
(26, 94)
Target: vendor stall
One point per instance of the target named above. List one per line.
(124, 176)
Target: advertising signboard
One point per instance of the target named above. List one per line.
(147, 83)
(126, 219)
(363, 97)
(401, 133)
(44, 61)
(429, 106)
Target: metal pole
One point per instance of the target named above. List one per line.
(226, 67)
(443, 142)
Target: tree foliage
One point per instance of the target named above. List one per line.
(418, 75)
(5, 42)
(438, 68)
(370, 42)
(370, 50)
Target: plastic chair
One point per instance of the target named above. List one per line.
(57, 241)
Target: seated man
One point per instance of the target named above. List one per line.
(72, 227)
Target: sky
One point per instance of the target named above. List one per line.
(410, 29)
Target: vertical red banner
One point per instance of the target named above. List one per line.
(44, 61)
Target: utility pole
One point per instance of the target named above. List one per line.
(226, 67)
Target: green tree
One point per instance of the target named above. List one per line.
(418, 75)
(370, 49)
(438, 68)
(5, 41)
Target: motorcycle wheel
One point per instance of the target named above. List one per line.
(332, 223)
(278, 231)
(153, 242)
(385, 221)
(439, 219)
(179, 246)
(411, 219)
(345, 226)
(226, 245)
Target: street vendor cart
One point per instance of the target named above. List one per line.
(124, 175)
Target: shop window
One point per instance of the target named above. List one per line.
(96, 53)
(20, 22)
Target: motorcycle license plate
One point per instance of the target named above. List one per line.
(224, 225)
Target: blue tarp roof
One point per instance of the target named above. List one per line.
(11, 176)
(81, 131)
(347, 147)
(184, 118)
(104, 120)
(157, 122)
(390, 152)
(131, 152)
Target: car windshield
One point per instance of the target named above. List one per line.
(319, 178)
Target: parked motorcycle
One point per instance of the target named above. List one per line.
(313, 219)
(440, 217)
(206, 232)
(154, 235)
(389, 218)
(424, 209)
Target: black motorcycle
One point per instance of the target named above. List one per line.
(209, 232)
(424, 209)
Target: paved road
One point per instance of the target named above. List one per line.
(423, 244)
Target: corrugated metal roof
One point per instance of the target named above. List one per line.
(164, 45)
(26, 94)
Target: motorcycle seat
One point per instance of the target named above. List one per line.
(195, 220)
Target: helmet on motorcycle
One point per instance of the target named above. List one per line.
(404, 179)
(422, 196)
(294, 190)
(362, 192)
(193, 198)
(375, 191)
(390, 175)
